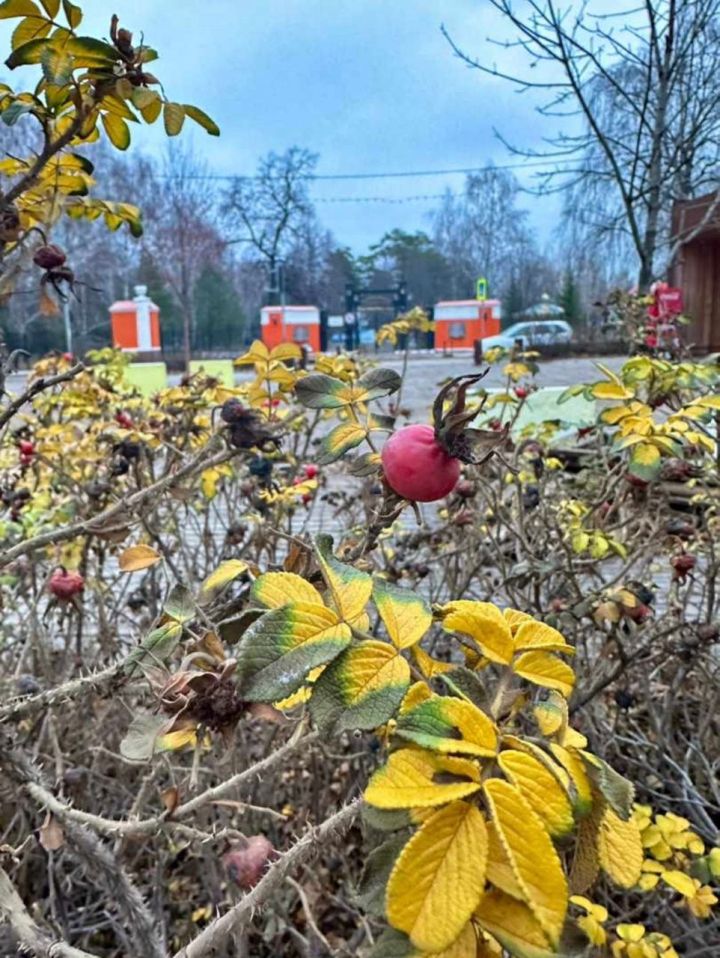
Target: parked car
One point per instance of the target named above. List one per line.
(543, 333)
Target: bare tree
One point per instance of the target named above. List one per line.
(271, 208)
(644, 82)
(181, 232)
(482, 232)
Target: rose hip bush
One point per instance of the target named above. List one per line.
(408, 739)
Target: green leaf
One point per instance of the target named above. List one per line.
(73, 14)
(279, 649)
(345, 436)
(319, 391)
(202, 119)
(156, 647)
(617, 790)
(28, 53)
(12, 114)
(376, 872)
(379, 382)
(362, 688)
(146, 54)
(173, 118)
(138, 744)
(385, 820)
(467, 684)
(179, 604)
(18, 8)
(91, 52)
(393, 944)
(117, 130)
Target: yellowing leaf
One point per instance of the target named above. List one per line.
(438, 877)
(362, 688)
(407, 780)
(532, 855)
(417, 693)
(276, 653)
(225, 573)
(173, 118)
(349, 587)
(540, 788)
(429, 666)
(575, 767)
(484, 623)
(117, 130)
(610, 391)
(446, 724)
(546, 670)
(405, 614)
(515, 618)
(645, 461)
(513, 924)
(138, 557)
(340, 440)
(551, 714)
(286, 351)
(276, 589)
(620, 849)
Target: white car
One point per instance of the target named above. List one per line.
(532, 333)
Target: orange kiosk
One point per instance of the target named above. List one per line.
(459, 323)
(290, 324)
(136, 324)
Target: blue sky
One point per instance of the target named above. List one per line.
(370, 85)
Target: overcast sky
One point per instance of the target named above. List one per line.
(370, 85)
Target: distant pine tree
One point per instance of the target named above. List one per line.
(570, 300)
(512, 302)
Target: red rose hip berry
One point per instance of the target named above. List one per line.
(417, 467)
(66, 585)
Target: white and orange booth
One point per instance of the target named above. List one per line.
(459, 323)
(136, 324)
(290, 324)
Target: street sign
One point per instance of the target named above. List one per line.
(481, 290)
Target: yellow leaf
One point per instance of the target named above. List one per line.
(429, 666)
(551, 713)
(610, 391)
(513, 924)
(620, 849)
(532, 855)
(515, 618)
(439, 877)
(286, 351)
(275, 589)
(138, 557)
(417, 693)
(499, 869)
(174, 741)
(537, 635)
(680, 882)
(546, 670)
(540, 788)
(225, 572)
(407, 780)
(405, 614)
(575, 767)
(484, 623)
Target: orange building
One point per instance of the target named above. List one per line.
(136, 323)
(290, 324)
(459, 323)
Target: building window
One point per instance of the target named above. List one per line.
(457, 331)
(301, 334)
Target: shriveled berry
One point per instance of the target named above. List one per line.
(65, 585)
(245, 866)
(49, 257)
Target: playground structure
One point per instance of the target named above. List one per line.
(460, 323)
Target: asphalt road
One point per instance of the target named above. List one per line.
(425, 373)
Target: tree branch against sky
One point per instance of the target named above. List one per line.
(643, 84)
